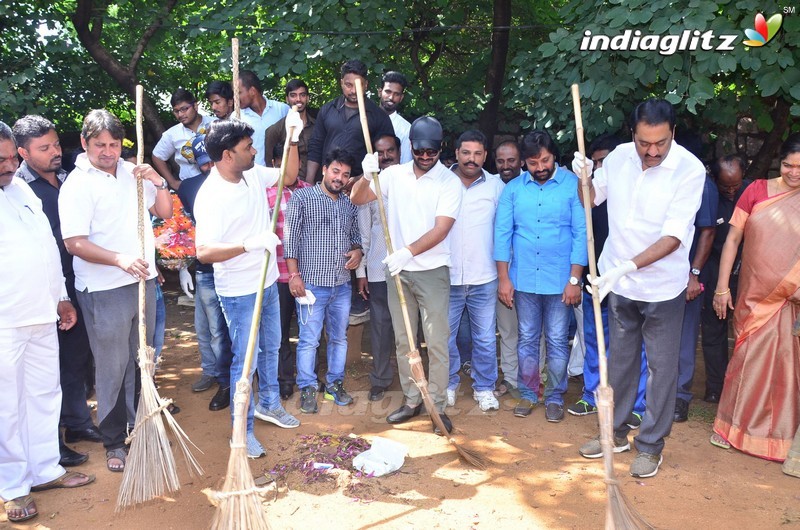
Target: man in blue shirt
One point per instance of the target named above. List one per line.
(541, 221)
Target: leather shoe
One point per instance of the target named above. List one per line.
(447, 425)
(681, 410)
(222, 399)
(711, 397)
(376, 393)
(287, 389)
(70, 458)
(403, 414)
(92, 434)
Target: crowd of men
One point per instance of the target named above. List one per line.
(478, 254)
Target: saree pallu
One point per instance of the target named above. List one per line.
(759, 410)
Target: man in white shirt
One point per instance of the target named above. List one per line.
(653, 188)
(233, 233)
(176, 142)
(393, 91)
(473, 273)
(422, 199)
(33, 305)
(99, 214)
(258, 111)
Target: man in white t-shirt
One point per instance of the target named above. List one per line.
(176, 142)
(393, 91)
(233, 233)
(98, 208)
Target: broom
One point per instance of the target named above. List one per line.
(150, 465)
(415, 361)
(238, 504)
(237, 107)
(619, 514)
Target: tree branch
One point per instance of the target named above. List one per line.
(148, 34)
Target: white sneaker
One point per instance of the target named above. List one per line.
(451, 397)
(486, 400)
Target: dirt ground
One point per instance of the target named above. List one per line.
(536, 479)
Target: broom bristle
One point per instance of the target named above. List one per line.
(620, 514)
(472, 457)
(239, 503)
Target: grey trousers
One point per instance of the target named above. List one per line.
(507, 328)
(112, 320)
(427, 295)
(381, 335)
(659, 325)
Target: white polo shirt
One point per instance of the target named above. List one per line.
(412, 205)
(177, 141)
(104, 208)
(402, 129)
(230, 213)
(644, 206)
(472, 236)
(32, 279)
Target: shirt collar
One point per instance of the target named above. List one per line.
(558, 177)
(28, 174)
(82, 163)
(482, 178)
(671, 162)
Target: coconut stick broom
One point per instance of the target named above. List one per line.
(150, 466)
(418, 372)
(619, 513)
(239, 503)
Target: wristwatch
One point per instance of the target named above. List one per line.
(573, 280)
(694, 271)
(163, 184)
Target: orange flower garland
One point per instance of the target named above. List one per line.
(174, 238)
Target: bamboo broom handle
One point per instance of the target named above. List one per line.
(237, 107)
(141, 212)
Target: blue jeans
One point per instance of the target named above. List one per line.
(537, 313)
(161, 322)
(238, 311)
(331, 308)
(213, 340)
(479, 303)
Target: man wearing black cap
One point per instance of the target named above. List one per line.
(422, 199)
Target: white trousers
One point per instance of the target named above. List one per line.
(30, 404)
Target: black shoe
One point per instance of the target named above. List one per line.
(70, 458)
(711, 397)
(376, 393)
(92, 434)
(222, 399)
(681, 410)
(447, 425)
(287, 389)
(403, 414)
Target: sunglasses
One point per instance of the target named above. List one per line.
(425, 152)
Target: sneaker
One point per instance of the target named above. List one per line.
(634, 420)
(593, 449)
(335, 392)
(523, 408)
(466, 368)
(376, 393)
(308, 400)
(278, 417)
(645, 465)
(451, 397)
(554, 412)
(581, 408)
(254, 448)
(486, 400)
(204, 383)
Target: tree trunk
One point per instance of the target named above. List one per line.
(497, 69)
(759, 168)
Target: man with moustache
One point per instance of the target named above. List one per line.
(176, 142)
(507, 160)
(322, 245)
(393, 91)
(297, 97)
(422, 199)
(540, 221)
(473, 274)
(653, 187)
(219, 95)
(258, 111)
(38, 145)
(338, 124)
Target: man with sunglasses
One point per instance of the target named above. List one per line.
(422, 199)
(176, 142)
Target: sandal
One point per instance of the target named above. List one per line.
(503, 388)
(173, 409)
(24, 505)
(121, 454)
(64, 481)
(718, 441)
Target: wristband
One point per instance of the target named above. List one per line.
(721, 293)
(292, 275)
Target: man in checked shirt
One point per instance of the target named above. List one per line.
(322, 244)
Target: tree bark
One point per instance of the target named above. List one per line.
(759, 168)
(495, 76)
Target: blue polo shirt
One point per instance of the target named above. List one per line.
(545, 228)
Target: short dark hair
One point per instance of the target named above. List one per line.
(249, 79)
(277, 151)
(99, 120)
(512, 143)
(473, 135)
(395, 77)
(6, 133)
(716, 165)
(223, 135)
(606, 142)
(353, 66)
(29, 127)
(221, 88)
(535, 141)
(340, 155)
(294, 84)
(397, 142)
(790, 146)
(653, 112)
(182, 96)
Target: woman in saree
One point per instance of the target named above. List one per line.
(759, 410)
